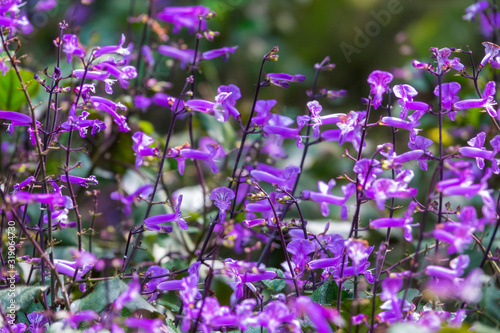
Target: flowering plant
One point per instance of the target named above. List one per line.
(178, 208)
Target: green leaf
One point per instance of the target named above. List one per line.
(169, 305)
(276, 284)
(12, 98)
(410, 295)
(482, 328)
(327, 293)
(23, 299)
(255, 329)
(105, 293)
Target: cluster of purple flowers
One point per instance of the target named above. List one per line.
(284, 276)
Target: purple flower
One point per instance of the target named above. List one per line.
(119, 49)
(325, 198)
(491, 51)
(379, 84)
(186, 56)
(274, 315)
(477, 150)
(457, 268)
(189, 16)
(405, 94)
(10, 17)
(382, 189)
(51, 199)
(37, 322)
(16, 119)
(222, 197)
(392, 307)
(133, 292)
(80, 267)
(168, 102)
(315, 109)
(74, 319)
(14, 328)
(84, 182)
(318, 315)
(142, 102)
(81, 124)
(225, 102)
(153, 223)
(367, 170)
(44, 5)
(285, 132)
(90, 75)
(487, 101)
(263, 110)
(421, 143)
(103, 104)
(149, 325)
(181, 153)
(222, 52)
(282, 79)
(71, 47)
(474, 9)
(400, 123)
(350, 127)
(358, 251)
(3, 67)
(122, 73)
(244, 273)
(401, 222)
(283, 178)
(153, 281)
(141, 149)
(28, 181)
(443, 63)
(142, 192)
(394, 161)
(458, 235)
(300, 248)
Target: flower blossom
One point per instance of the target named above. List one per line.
(300, 248)
(491, 50)
(379, 84)
(82, 124)
(281, 79)
(405, 222)
(384, 188)
(222, 197)
(284, 131)
(119, 49)
(84, 182)
(37, 322)
(103, 104)
(72, 47)
(449, 97)
(487, 101)
(133, 292)
(141, 149)
(153, 223)
(405, 94)
(184, 152)
(142, 192)
(282, 178)
(325, 198)
(188, 16)
(19, 119)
